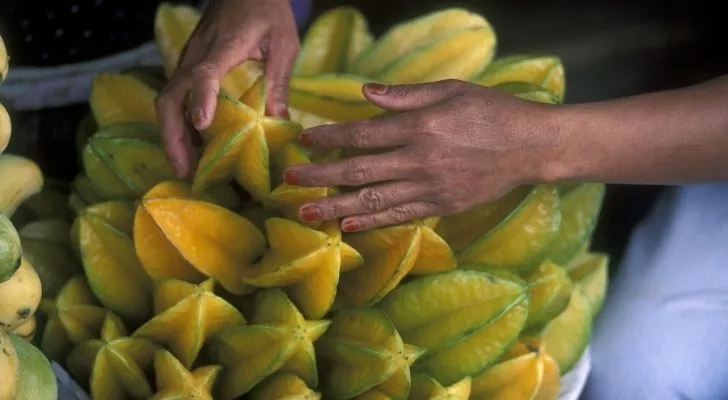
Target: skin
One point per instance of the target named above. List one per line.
(451, 145)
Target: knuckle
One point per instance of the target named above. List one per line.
(400, 214)
(329, 210)
(204, 70)
(453, 85)
(430, 125)
(371, 199)
(355, 172)
(357, 136)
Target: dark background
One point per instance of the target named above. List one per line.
(610, 49)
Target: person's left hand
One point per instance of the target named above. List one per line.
(451, 146)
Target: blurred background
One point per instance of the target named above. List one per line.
(610, 49)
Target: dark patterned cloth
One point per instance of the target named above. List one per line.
(44, 33)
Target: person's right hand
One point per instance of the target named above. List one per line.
(229, 33)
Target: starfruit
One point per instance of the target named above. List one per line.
(333, 42)
(426, 388)
(545, 70)
(307, 119)
(459, 55)
(591, 272)
(175, 381)
(186, 315)
(362, 355)
(180, 235)
(74, 316)
(50, 203)
(529, 91)
(514, 232)
(464, 319)
(117, 98)
(580, 208)
(283, 386)
(288, 198)
(567, 336)
(390, 254)
(305, 261)
(115, 366)
(124, 161)
(550, 291)
(529, 375)
(104, 235)
(83, 194)
(278, 339)
(47, 245)
(236, 148)
(336, 97)
(277, 132)
(410, 36)
(173, 26)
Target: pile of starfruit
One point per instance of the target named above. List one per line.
(210, 287)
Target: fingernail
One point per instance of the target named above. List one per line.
(350, 225)
(306, 139)
(198, 118)
(290, 177)
(310, 213)
(377, 88)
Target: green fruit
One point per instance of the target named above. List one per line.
(10, 249)
(529, 91)
(567, 336)
(334, 40)
(36, 380)
(403, 39)
(580, 208)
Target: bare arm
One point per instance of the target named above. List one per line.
(671, 137)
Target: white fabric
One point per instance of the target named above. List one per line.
(663, 332)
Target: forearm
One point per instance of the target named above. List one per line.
(670, 137)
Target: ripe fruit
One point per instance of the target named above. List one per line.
(19, 296)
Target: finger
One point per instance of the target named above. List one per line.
(363, 201)
(175, 136)
(411, 97)
(282, 54)
(390, 216)
(354, 171)
(207, 73)
(384, 132)
(205, 89)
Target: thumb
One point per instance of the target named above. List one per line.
(411, 97)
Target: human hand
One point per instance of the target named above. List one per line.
(452, 146)
(229, 33)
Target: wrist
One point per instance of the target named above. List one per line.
(566, 156)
